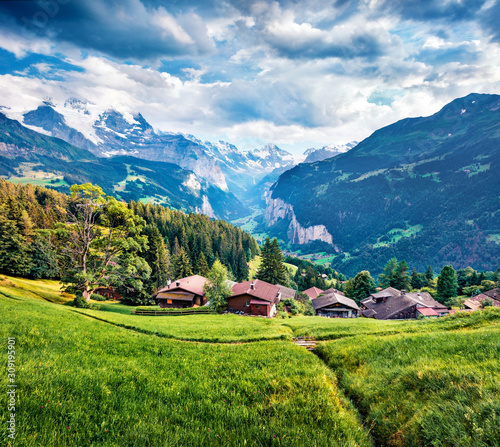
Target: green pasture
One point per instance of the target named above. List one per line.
(433, 388)
(108, 378)
(84, 382)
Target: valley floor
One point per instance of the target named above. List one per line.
(109, 378)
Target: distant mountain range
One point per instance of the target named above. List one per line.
(423, 189)
(116, 151)
(110, 133)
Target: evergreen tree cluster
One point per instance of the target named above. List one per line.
(178, 244)
(310, 275)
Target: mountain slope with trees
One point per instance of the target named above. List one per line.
(422, 189)
(26, 155)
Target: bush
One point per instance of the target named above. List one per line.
(282, 315)
(81, 303)
(97, 297)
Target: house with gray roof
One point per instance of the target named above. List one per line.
(393, 304)
(334, 305)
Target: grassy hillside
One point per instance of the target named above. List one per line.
(86, 382)
(109, 378)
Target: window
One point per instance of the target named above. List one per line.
(248, 303)
(169, 301)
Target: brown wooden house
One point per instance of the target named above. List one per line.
(185, 292)
(334, 305)
(257, 298)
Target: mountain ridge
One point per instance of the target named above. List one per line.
(422, 188)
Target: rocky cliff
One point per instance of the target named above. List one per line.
(277, 209)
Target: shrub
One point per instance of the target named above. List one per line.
(97, 297)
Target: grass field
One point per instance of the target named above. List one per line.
(83, 382)
(434, 388)
(108, 378)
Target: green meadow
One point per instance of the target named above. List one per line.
(432, 388)
(108, 378)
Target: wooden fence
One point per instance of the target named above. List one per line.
(156, 313)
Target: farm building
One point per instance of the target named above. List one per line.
(257, 297)
(185, 292)
(393, 304)
(108, 292)
(334, 305)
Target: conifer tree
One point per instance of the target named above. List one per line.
(429, 275)
(272, 269)
(202, 266)
(157, 257)
(182, 265)
(446, 284)
(401, 281)
(388, 278)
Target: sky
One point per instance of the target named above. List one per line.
(296, 73)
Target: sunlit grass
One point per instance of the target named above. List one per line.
(83, 382)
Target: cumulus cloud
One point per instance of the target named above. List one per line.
(297, 73)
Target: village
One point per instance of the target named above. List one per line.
(260, 298)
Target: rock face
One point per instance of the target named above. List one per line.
(277, 209)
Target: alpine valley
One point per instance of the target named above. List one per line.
(422, 189)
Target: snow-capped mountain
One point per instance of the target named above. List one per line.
(108, 133)
(325, 152)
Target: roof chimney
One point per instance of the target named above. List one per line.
(177, 283)
(252, 286)
(403, 292)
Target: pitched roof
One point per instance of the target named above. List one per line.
(427, 311)
(389, 291)
(494, 293)
(332, 290)
(396, 302)
(476, 301)
(193, 284)
(313, 292)
(333, 298)
(261, 290)
(286, 292)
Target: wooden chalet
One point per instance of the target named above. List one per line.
(393, 304)
(185, 292)
(257, 297)
(108, 292)
(335, 305)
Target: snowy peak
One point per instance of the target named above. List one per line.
(313, 155)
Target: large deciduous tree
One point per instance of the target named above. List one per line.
(101, 243)
(363, 286)
(217, 289)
